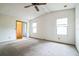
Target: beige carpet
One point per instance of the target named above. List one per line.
(35, 47)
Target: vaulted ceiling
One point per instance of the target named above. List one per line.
(18, 10)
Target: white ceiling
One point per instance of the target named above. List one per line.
(18, 10)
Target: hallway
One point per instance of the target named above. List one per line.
(35, 47)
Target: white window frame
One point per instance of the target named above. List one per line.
(62, 25)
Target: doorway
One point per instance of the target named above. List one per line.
(24, 29)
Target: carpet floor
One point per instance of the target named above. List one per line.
(35, 47)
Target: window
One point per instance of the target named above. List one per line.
(34, 27)
(62, 26)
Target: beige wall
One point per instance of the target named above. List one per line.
(7, 28)
(46, 26)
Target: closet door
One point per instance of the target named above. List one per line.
(19, 26)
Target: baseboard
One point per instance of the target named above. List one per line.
(8, 42)
(76, 49)
(53, 41)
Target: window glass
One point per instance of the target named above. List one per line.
(34, 27)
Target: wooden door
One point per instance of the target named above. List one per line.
(19, 34)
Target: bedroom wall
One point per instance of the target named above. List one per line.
(7, 28)
(77, 26)
(46, 26)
